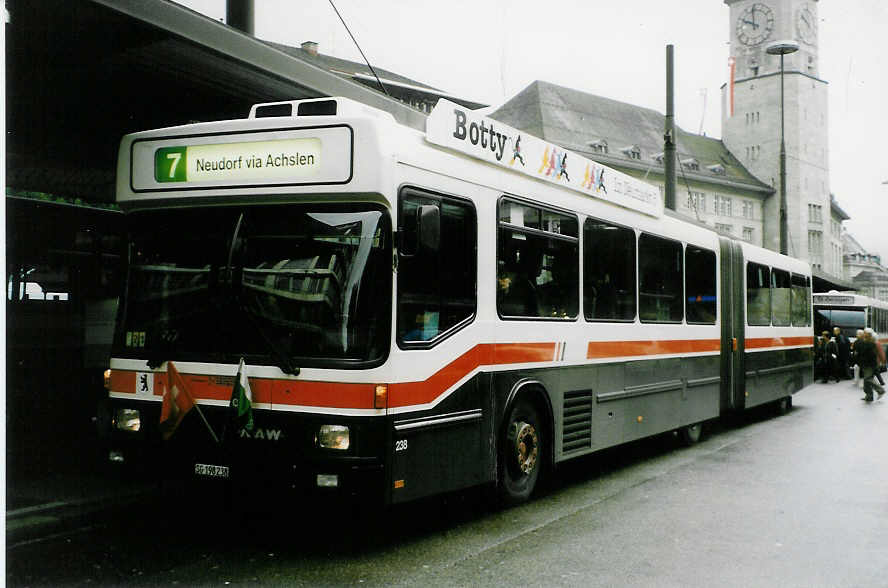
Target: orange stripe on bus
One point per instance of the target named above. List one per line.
(361, 395)
(410, 393)
(762, 342)
(600, 349)
(124, 382)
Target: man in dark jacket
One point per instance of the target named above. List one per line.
(831, 354)
(868, 359)
(844, 345)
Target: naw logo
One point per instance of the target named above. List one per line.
(262, 434)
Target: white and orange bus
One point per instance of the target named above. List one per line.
(424, 312)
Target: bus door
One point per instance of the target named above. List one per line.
(733, 389)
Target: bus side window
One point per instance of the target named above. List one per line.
(608, 272)
(537, 262)
(436, 290)
(780, 298)
(758, 294)
(700, 289)
(799, 302)
(660, 283)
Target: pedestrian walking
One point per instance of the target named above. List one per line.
(820, 364)
(869, 362)
(831, 353)
(880, 354)
(844, 345)
(855, 364)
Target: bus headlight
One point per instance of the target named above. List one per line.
(332, 437)
(127, 419)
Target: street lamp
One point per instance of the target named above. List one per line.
(782, 48)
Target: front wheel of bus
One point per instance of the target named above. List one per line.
(691, 434)
(521, 452)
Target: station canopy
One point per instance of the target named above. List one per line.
(80, 75)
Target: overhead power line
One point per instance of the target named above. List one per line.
(367, 61)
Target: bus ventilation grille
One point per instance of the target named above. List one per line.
(577, 420)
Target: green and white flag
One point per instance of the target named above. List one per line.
(241, 405)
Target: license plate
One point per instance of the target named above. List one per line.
(211, 471)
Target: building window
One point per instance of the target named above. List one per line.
(599, 146)
(632, 151)
(723, 228)
(723, 206)
(815, 248)
(748, 209)
(747, 234)
(697, 201)
(690, 164)
(815, 213)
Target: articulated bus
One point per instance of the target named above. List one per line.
(421, 312)
(850, 312)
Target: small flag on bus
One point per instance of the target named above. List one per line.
(177, 401)
(241, 404)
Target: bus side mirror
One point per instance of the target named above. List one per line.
(428, 228)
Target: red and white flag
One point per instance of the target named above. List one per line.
(177, 401)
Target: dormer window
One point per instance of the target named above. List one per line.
(632, 151)
(599, 146)
(658, 157)
(718, 169)
(690, 164)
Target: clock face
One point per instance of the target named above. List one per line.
(755, 24)
(806, 26)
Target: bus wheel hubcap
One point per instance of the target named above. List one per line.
(526, 446)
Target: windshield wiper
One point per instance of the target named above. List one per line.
(283, 362)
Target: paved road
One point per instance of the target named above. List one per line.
(797, 500)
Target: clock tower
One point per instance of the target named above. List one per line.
(751, 122)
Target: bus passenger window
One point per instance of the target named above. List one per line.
(700, 285)
(780, 298)
(608, 272)
(799, 303)
(659, 280)
(758, 294)
(537, 263)
(436, 291)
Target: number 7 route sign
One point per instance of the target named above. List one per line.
(170, 164)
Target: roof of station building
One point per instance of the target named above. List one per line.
(576, 120)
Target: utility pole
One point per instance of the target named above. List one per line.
(669, 135)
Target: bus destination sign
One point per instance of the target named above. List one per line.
(238, 162)
(832, 299)
(243, 160)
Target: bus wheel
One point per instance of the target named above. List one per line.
(521, 452)
(784, 405)
(691, 434)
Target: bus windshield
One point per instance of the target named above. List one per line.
(301, 285)
(849, 320)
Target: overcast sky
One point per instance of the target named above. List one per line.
(489, 50)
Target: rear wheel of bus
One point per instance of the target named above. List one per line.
(522, 450)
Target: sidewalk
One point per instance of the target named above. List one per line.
(46, 501)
